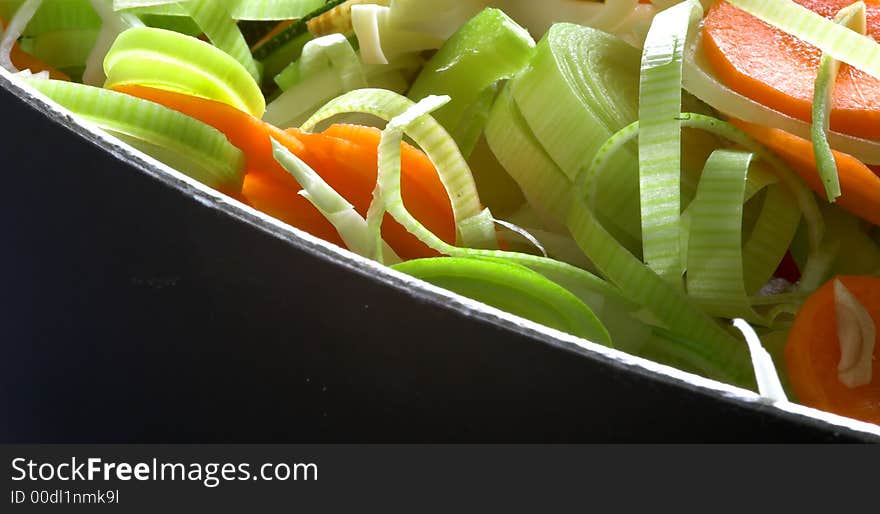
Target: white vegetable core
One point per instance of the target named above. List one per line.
(856, 332)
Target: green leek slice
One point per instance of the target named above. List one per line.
(165, 59)
(488, 48)
(197, 149)
(512, 288)
(54, 15)
(327, 68)
(582, 87)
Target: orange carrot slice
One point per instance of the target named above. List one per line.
(349, 167)
(812, 353)
(859, 185)
(779, 70)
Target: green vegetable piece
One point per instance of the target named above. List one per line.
(168, 60)
(852, 17)
(488, 48)
(580, 88)
(512, 288)
(181, 142)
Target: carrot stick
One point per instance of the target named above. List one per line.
(859, 185)
(779, 70)
(812, 353)
(349, 167)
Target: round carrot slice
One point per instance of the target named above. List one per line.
(779, 70)
(812, 353)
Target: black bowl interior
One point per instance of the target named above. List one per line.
(142, 307)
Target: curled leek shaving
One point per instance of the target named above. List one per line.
(435, 142)
(660, 138)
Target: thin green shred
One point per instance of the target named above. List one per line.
(660, 138)
(853, 17)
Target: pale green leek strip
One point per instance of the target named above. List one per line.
(112, 24)
(215, 21)
(836, 40)
(168, 60)
(203, 152)
(430, 136)
(16, 25)
(715, 277)
(339, 212)
(257, 10)
(854, 18)
(660, 138)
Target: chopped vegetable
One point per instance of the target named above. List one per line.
(816, 356)
(512, 288)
